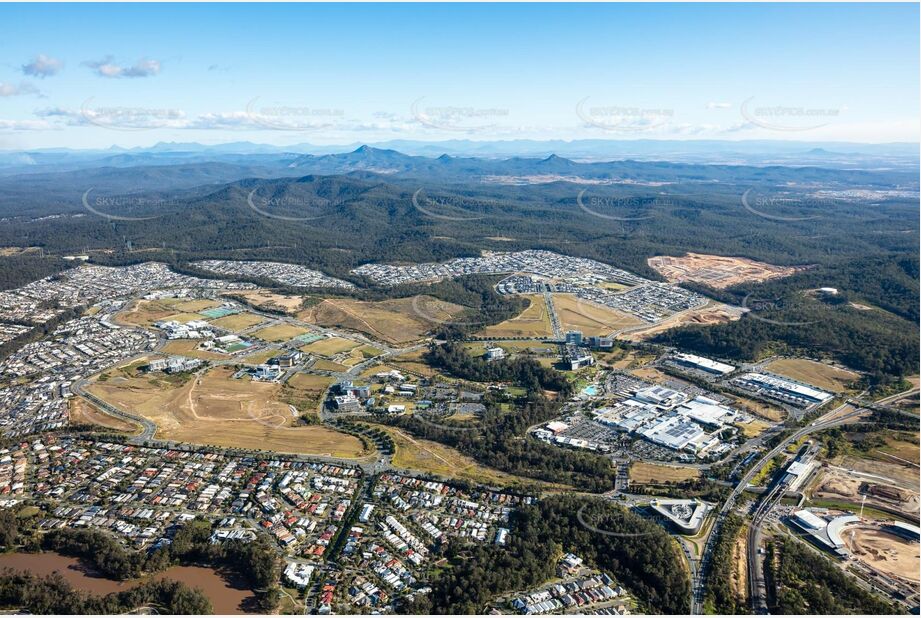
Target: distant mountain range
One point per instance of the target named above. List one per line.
(758, 153)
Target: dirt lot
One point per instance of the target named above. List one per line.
(81, 411)
(265, 300)
(883, 552)
(397, 321)
(590, 318)
(841, 484)
(821, 375)
(189, 347)
(761, 409)
(641, 472)
(715, 270)
(215, 409)
(711, 313)
(532, 322)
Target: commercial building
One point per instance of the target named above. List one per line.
(783, 389)
(702, 364)
(824, 533)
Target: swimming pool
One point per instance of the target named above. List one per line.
(591, 390)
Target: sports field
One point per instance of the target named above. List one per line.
(534, 321)
(821, 375)
(215, 409)
(590, 318)
(396, 321)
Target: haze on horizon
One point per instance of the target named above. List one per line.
(293, 74)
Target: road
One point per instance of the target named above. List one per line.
(828, 420)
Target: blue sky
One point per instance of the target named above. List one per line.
(98, 75)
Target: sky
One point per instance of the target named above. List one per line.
(94, 76)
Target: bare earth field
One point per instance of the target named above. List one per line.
(263, 299)
(83, 412)
(641, 472)
(818, 374)
(397, 321)
(214, 409)
(883, 552)
(715, 270)
(711, 313)
(839, 484)
(532, 322)
(590, 318)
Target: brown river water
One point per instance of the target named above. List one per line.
(226, 596)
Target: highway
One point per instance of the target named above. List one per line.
(828, 420)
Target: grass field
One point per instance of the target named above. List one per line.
(396, 321)
(260, 357)
(534, 321)
(305, 391)
(321, 364)
(754, 428)
(434, 458)
(280, 332)
(818, 374)
(83, 412)
(330, 346)
(641, 472)
(214, 409)
(361, 354)
(590, 318)
(188, 347)
(412, 361)
(238, 321)
(196, 305)
(146, 312)
(769, 412)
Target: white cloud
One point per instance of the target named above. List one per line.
(17, 90)
(108, 68)
(24, 125)
(42, 66)
(718, 105)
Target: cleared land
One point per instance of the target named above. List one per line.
(83, 412)
(238, 321)
(330, 346)
(532, 322)
(263, 299)
(883, 552)
(280, 332)
(396, 321)
(305, 391)
(197, 305)
(321, 364)
(715, 270)
(711, 313)
(189, 347)
(641, 472)
(411, 362)
(841, 484)
(215, 409)
(146, 312)
(590, 318)
(434, 458)
(811, 372)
